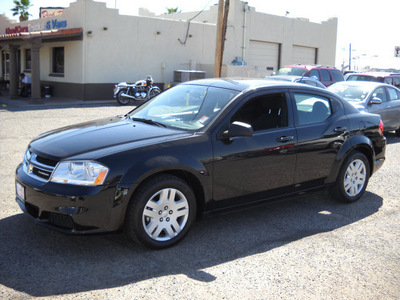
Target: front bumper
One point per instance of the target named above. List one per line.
(69, 208)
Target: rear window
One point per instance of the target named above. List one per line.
(363, 78)
(292, 71)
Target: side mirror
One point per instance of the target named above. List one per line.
(238, 129)
(376, 100)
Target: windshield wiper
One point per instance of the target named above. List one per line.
(148, 121)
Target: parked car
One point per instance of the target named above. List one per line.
(299, 79)
(346, 74)
(384, 77)
(327, 75)
(200, 147)
(373, 97)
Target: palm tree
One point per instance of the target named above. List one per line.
(21, 9)
(172, 10)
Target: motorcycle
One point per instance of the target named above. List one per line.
(141, 90)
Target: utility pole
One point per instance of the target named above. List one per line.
(350, 57)
(223, 10)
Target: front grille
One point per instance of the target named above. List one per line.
(32, 209)
(40, 173)
(59, 220)
(46, 161)
(38, 167)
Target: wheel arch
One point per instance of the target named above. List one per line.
(193, 182)
(358, 143)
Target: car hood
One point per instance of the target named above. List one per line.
(100, 134)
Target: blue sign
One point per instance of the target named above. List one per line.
(54, 24)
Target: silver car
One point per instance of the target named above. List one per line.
(300, 79)
(373, 97)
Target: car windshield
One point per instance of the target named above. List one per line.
(362, 78)
(292, 71)
(187, 107)
(350, 93)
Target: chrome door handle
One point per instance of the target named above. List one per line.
(340, 129)
(284, 139)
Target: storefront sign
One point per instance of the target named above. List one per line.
(17, 29)
(46, 12)
(53, 24)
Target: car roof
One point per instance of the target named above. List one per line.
(290, 77)
(309, 67)
(283, 77)
(245, 84)
(375, 74)
(370, 84)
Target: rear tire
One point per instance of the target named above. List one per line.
(124, 101)
(161, 212)
(353, 178)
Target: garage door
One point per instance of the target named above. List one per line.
(263, 55)
(303, 55)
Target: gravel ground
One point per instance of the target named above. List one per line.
(306, 248)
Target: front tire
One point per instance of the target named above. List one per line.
(161, 212)
(353, 178)
(154, 92)
(121, 101)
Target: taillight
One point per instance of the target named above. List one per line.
(381, 127)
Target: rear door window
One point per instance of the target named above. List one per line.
(312, 109)
(337, 75)
(325, 76)
(396, 81)
(393, 94)
(389, 80)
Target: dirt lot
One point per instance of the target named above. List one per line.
(307, 248)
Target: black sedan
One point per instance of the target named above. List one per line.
(197, 148)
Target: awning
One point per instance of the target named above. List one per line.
(45, 35)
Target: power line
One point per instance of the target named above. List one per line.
(188, 26)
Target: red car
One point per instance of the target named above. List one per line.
(327, 75)
(384, 77)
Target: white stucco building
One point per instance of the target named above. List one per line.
(86, 50)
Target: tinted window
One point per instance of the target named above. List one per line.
(337, 75)
(314, 73)
(380, 93)
(361, 78)
(393, 94)
(389, 80)
(312, 109)
(325, 75)
(396, 81)
(264, 112)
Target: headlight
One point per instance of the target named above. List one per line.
(80, 173)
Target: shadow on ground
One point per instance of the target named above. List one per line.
(41, 262)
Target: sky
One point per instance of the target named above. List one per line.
(369, 26)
